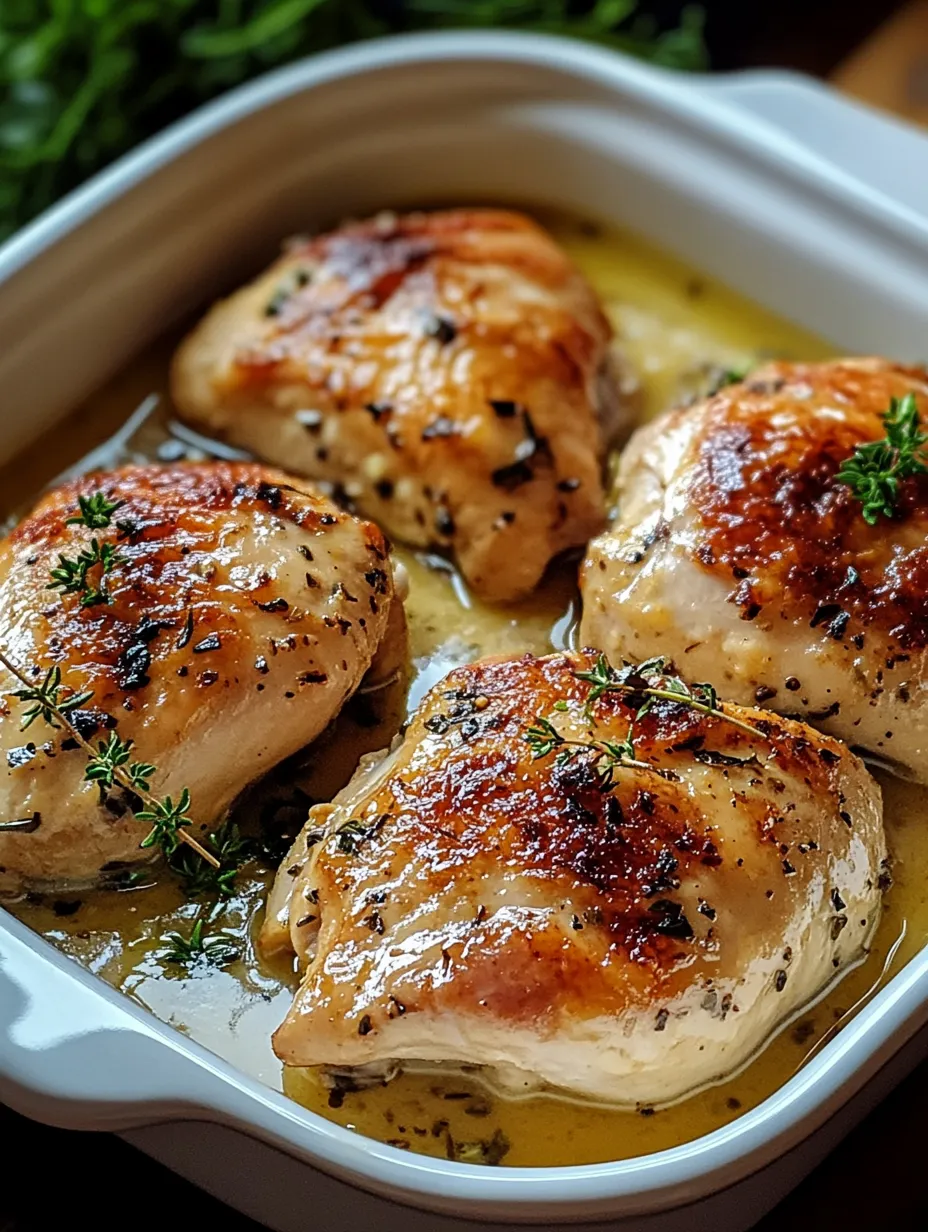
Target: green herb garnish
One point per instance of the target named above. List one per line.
(653, 681)
(199, 878)
(219, 949)
(874, 471)
(46, 699)
(607, 755)
(643, 684)
(167, 819)
(96, 511)
(111, 755)
(72, 576)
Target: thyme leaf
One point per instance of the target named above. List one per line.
(198, 877)
(72, 576)
(96, 511)
(219, 949)
(111, 755)
(167, 818)
(47, 702)
(544, 738)
(874, 471)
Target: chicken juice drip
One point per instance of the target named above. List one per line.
(675, 328)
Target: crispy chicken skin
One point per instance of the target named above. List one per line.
(244, 611)
(737, 554)
(462, 902)
(449, 371)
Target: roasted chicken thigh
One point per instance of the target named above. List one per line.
(448, 371)
(488, 894)
(738, 553)
(241, 611)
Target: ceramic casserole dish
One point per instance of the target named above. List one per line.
(726, 173)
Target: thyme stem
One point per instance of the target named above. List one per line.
(691, 702)
(119, 774)
(633, 681)
(598, 746)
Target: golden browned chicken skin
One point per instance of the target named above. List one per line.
(243, 611)
(737, 553)
(627, 937)
(449, 371)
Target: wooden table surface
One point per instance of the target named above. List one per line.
(874, 1182)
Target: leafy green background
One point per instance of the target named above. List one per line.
(84, 80)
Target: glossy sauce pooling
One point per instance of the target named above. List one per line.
(675, 327)
(781, 527)
(615, 851)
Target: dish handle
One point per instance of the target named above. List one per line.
(77, 1054)
(875, 148)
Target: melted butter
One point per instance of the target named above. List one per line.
(672, 322)
(674, 325)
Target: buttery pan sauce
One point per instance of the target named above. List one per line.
(674, 327)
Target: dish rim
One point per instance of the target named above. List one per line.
(670, 89)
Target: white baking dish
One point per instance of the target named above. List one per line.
(692, 165)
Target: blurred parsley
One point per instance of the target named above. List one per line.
(85, 80)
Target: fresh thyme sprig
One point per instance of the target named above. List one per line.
(643, 684)
(651, 681)
(231, 851)
(46, 700)
(182, 951)
(167, 819)
(72, 576)
(96, 511)
(608, 755)
(874, 471)
(113, 754)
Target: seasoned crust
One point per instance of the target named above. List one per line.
(448, 370)
(737, 553)
(778, 525)
(167, 563)
(522, 914)
(244, 610)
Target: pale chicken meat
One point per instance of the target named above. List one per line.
(449, 372)
(490, 895)
(240, 613)
(739, 554)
